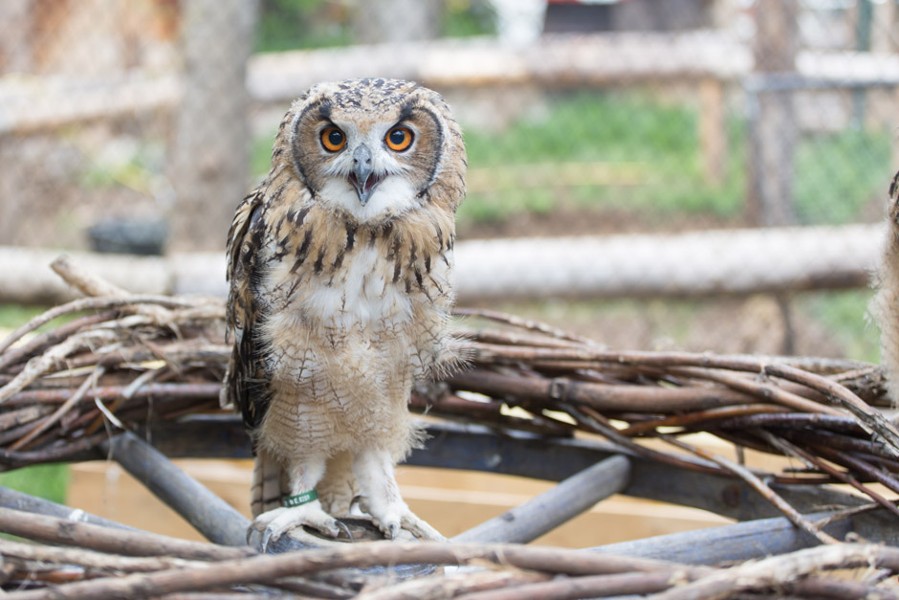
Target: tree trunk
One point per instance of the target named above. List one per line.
(212, 138)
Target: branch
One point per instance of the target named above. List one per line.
(103, 539)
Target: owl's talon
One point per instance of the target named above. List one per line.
(396, 518)
(266, 538)
(392, 530)
(275, 523)
(421, 529)
(345, 530)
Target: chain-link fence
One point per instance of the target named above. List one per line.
(630, 117)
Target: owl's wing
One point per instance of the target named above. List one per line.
(245, 380)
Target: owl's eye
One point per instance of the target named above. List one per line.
(399, 139)
(333, 139)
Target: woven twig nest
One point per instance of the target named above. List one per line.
(84, 370)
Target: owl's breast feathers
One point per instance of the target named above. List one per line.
(325, 310)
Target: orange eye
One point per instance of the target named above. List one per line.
(333, 139)
(399, 139)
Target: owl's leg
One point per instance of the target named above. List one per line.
(302, 476)
(337, 488)
(376, 479)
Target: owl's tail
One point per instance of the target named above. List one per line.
(265, 494)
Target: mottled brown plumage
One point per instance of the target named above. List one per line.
(885, 304)
(340, 271)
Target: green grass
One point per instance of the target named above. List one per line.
(45, 481)
(14, 315)
(623, 129)
(299, 24)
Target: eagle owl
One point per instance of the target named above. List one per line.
(340, 271)
(885, 304)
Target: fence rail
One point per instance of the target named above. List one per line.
(703, 263)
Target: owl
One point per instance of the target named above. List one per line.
(340, 290)
(885, 304)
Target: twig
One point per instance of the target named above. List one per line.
(75, 398)
(597, 423)
(791, 449)
(21, 501)
(41, 364)
(704, 417)
(605, 397)
(521, 323)
(780, 571)
(868, 417)
(590, 586)
(92, 286)
(267, 569)
(84, 304)
(91, 559)
(451, 586)
(50, 338)
(760, 486)
(861, 467)
(763, 390)
(103, 539)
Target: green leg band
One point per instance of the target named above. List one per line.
(300, 499)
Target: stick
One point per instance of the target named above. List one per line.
(74, 399)
(605, 397)
(736, 542)
(790, 449)
(42, 363)
(521, 323)
(90, 559)
(40, 342)
(590, 586)
(209, 514)
(779, 571)
(451, 586)
(104, 539)
(16, 500)
(760, 389)
(760, 486)
(269, 568)
(92, 286)
(703, 417)
(547, 511)
(84, 304)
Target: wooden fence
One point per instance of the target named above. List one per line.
(689, 264)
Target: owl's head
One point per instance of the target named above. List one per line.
(374, 148)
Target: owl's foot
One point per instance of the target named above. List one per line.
(391, 517)
(275, 523)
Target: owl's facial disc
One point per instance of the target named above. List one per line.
(363, 178)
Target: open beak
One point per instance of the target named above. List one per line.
(363, 179)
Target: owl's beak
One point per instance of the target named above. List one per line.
(362, 178)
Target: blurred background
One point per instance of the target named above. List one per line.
(661, 133)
